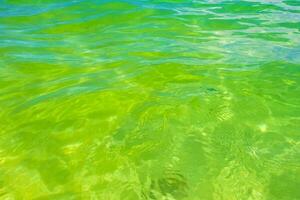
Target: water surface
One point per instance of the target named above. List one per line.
(161, 99)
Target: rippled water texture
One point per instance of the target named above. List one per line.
(157, 100)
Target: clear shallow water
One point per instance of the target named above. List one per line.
(150, 99)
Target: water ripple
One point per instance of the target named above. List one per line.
(149, 99)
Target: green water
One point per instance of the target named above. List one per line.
(150, 100)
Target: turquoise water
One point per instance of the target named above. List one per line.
(157, 100)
